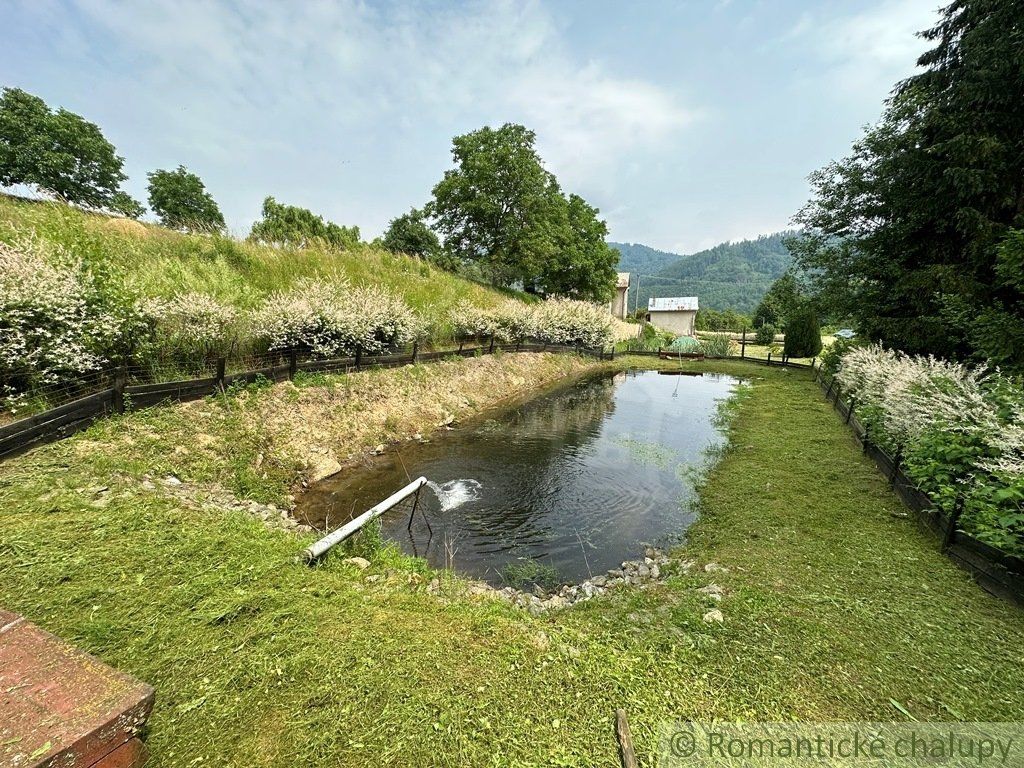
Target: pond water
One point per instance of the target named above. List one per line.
(557, 489)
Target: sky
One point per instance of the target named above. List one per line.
(686, 123)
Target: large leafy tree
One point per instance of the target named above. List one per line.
(291, 225)
(917, 235)
(493, 206)
(410, 233)
(56, 151)
(501, 210)
(181, 201)
(582, 264)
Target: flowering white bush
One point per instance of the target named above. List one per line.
(191, 323)
(53, 324)
(329, 318)
(469, 320)
(959, 429)
(908, 396)
(566, 321)
(514, 321)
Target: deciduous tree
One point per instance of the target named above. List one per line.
(57, 151)
(181, 201)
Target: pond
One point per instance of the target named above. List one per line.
(554, 490)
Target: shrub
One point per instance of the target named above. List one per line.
(960, 430)
(765, 335)
(832, 356)
(717, 345)
(513, 321)
(55, 322)
(803, 333)
(469, 320)
(570, 322)
(326, 318)
(192, 325)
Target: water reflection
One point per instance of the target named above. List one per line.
(577, 480)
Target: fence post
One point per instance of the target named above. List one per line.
(828, 392)
(954, 520)
(769, 357)
(849, 413)
(489, 351)
(518, 342)
(897, 460)
(865, 441)
(461, 342)
(415, 349)
(835, 399)
(222, 365)
(120, 380)
(293, 363)
(359, 356)
(743, 345)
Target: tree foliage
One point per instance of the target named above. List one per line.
(917, 235)
(290, 225)
(181, 201)
(56, 151)
(803, 333)
(782, 298)
(410, 233)
(499, 208)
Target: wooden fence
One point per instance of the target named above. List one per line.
(117, 394)
(995, 571)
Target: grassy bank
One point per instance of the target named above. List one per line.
(836, 607)
(158, 262)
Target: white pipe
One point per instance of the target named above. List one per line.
(317, 549)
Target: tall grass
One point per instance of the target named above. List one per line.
(157, 262)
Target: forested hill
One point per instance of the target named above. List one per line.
(727, 276)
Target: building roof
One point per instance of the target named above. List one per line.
(623, 281)
(677, 304)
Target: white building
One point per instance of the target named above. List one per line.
(677, 315)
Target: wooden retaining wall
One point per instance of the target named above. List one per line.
(78, 414)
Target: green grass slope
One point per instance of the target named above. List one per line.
(155, 261)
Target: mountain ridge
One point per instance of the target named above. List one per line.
(731, 275)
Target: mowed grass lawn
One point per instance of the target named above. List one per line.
(836, 608)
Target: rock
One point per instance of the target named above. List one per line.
(555, 601)
(542, 641)
(378, 449)
(643, 571)
(599, 581)
(148, 485)
(686, 565)
(715, 568)
(359, 562)
(323, 467)
(171, 480)
(655, 571)
(589, 590)
(714, 616)
(712, 590)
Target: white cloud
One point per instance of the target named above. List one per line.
(869, 51)
(269, 77)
